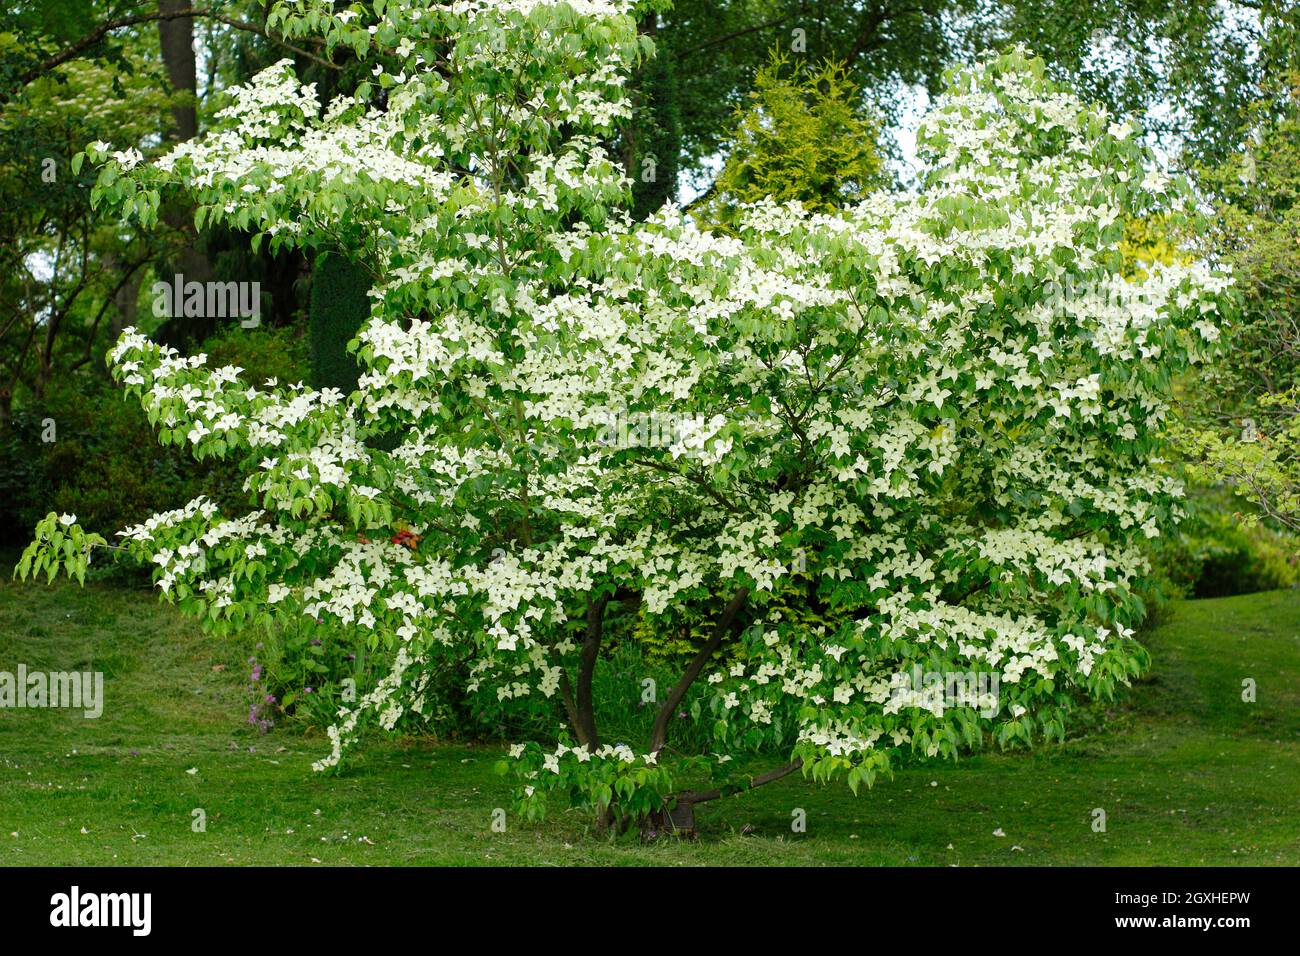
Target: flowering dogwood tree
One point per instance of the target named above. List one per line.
(939, 411)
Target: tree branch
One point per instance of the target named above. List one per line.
(726, 621)
(870, 24)
(99, 316)
(727, 38)
(700, 480)
(570, 708)
(74, 50)
(586, 668)
(702, 796)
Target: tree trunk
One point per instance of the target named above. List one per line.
(125, 299)
(654, 133)
(721, 628)
(177, 41)
(586, 705)
(678, 822)
(189, 259)
(339, 305)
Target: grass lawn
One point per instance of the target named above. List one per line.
(1186, 772)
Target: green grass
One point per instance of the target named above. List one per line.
(1186, 772)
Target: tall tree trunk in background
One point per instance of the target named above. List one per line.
(338, 304)
(177, 39)
(190, 259)
(125, 305)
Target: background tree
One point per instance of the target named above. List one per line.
(63, 266)
(1245, 415)
(74, 280)
(1187, 68)
(802, 134)
(339, 306)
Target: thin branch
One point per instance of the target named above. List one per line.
(771, 776)
(871, 23)
(700, 480)
(726, 621)
(727, 38)
(702, 197)
(74, 50)
(99, 315)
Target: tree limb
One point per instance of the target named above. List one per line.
(727, 38)
(726, 621)
(702, 796)
(74, 50)
(586, 712)
(99, 315)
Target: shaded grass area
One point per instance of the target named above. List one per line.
(1185, 770)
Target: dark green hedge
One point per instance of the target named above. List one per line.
(339, 306)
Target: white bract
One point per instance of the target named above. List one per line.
(934, 418)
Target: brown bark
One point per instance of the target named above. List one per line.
(587, 657)
(724, 625)
(125, 301)
(677, 816)
(176, 37)
(770, 776)
(566, 695)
